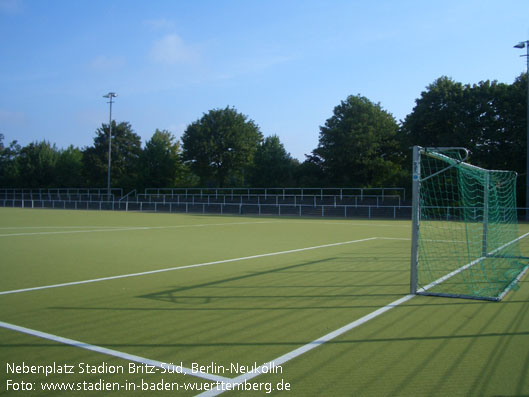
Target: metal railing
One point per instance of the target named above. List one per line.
(305, 191)
(369, 211)
(251, 209)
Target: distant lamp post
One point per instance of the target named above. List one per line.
(110, 95)
(521, 45)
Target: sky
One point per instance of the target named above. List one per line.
(285, 64)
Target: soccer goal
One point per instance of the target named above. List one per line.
(465, 238)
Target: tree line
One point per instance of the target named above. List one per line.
(360, 145)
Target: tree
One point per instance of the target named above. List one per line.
(220, 147)
(161, 161)
(357, 146)
(8, 164)
(69, 168)
(310, 173)
(36, 165)
(488, 118)
(273, 166)
(439, 116)
(125, 154)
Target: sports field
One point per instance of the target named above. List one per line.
(131, 303)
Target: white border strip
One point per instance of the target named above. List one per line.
(114, 353)
(95, 280)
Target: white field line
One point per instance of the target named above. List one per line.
(219, 379)
(184, 267)
(348, 223)
(71, 232)
(394, 238)
(58, 227)
(276, 362)
(513, 283)
(470, 264)
(288, 356)
(429, 240)
(309, 346)
(114, 353)
(203, 375)
(127, 228)
(304, 349)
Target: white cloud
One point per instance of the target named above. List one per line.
(171, 50)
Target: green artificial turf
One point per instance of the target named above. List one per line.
(248, 311)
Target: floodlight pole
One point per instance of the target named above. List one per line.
(110, 95)
(525, 44)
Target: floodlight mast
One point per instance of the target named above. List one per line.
(521, 45)
(110, 95)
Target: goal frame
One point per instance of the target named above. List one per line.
(416, 216)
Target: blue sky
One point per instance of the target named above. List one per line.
(285, 64)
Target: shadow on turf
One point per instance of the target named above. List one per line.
(289, 343)
(173, 295)
(432, 301)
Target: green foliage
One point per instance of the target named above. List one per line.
(438, 117)
(220, 147)
(488, 118)
(358, 146)
(36, 164)
(273, 166)
(161, 162)
(9, 176)
(125, 154)
(310, 173)
(69, 168)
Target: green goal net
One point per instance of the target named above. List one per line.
(465, 240)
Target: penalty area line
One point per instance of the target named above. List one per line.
(169, 269)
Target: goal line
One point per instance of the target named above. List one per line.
(424, 290)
